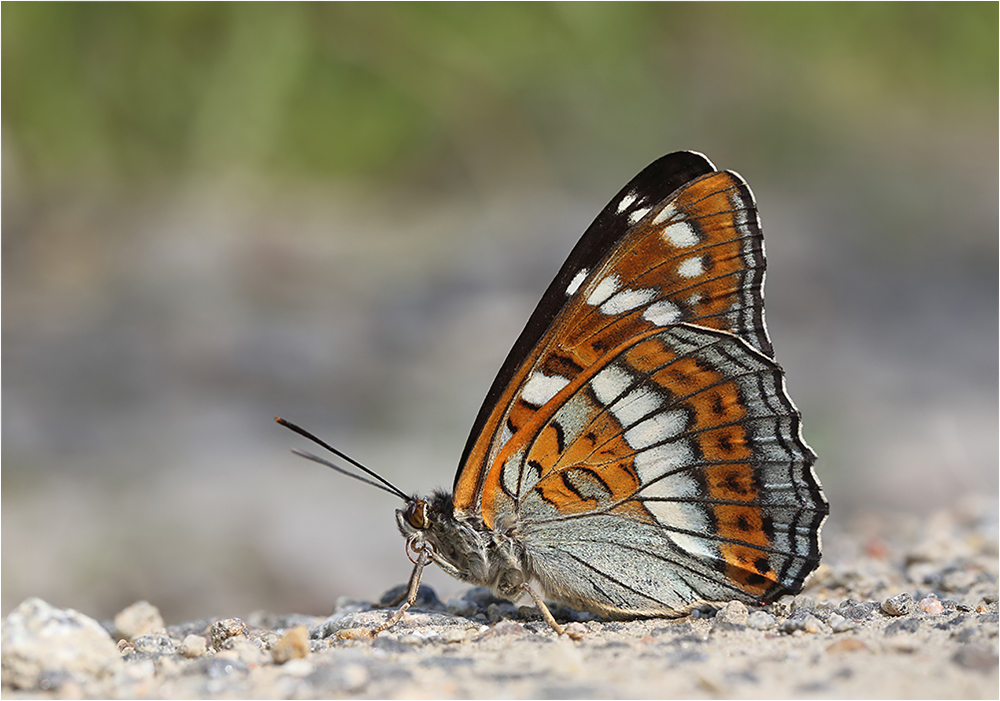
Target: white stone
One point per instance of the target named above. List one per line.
(138, 619)
(38, 637)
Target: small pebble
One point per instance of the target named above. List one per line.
(734, 612)
(783, 606)
(529, 613)
(857, 610)
(931, 605)
(899, 605)
(427, 598)
(498, 611)
(803, 603)
(293, 644)
(243, 650)
(193, 646)
(138, 619)
(223, 630)
(40, 640)
(846, 645)
(481, 596)
(462, 607)
(154, 644)
(805, 622)
(761, 620)
(839, 624)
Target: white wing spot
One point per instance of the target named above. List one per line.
(667, 212)
(689, 517)
(662, 313)
(627, 300)
(626, 202)
(605, 288)
(680, 484)
(658, 461)
(635, 405)
(510, 469)
(609, 383)
(505, 435)
(691, 267)
(656, 428)
(637, 215)
(680, 234)
(577, 280)
(540, 388)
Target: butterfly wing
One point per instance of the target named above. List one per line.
(671, 474)
(624, 347)
(680, 242)
(663, 176)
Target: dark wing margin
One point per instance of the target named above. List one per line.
(655, 183)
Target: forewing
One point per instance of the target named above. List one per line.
(680, 243)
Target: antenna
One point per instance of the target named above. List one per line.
(389, 486)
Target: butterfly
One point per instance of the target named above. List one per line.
(637, 454)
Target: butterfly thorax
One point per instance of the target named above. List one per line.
(463, 546)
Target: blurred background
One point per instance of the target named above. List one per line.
(343, 214)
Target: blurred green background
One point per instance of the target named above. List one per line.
(343, 214)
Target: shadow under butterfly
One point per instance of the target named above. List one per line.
(638, 453)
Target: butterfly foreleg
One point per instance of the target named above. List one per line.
(407, 592)
(423, 557)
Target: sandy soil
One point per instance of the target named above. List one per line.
(902, 608)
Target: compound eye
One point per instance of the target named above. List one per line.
(416, 515)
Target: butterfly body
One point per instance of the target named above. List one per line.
(638, 453)
(465, 547)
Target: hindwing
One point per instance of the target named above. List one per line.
(686, 432)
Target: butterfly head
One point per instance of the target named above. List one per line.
(422, 517)
(415, 516)
(457, 547)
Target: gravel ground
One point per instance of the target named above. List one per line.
(901, 608)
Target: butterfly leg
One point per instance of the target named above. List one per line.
(546, 614)
(411, 594)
